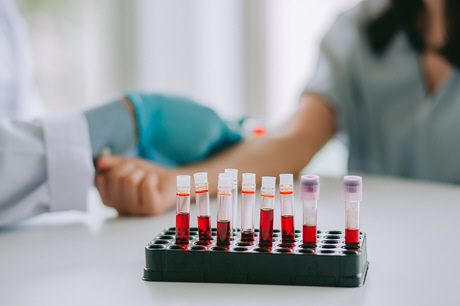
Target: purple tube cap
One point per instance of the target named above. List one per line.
(352, 188)
(309, 187)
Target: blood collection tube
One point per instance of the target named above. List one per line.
(287, 207)
(182, 209)
(352, 195)
(248, 204)
(267, 206)
(202, 206)
(224, 209)
(309, 194)
(234, 174)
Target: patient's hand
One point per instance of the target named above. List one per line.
(135, 186)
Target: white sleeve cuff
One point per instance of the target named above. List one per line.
(69, 163)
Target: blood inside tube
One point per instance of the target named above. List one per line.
(309, 234)
(182, 227)
(204, 228)
(352, 236)
(247, 236)
(266, 226)
(287, 228)
(223, 232)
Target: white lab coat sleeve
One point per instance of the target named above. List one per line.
(45, 166)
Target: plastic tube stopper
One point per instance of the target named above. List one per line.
(183, 181)
(201, 177)
(268, 181)
(286, 179)
(225, 180)
(249, 178)
(309, 187)
(352, 188)
(233, 172)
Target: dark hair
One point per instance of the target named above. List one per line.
(411, 17)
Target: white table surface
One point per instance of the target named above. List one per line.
(96, 258)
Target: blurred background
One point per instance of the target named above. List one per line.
(242, 58)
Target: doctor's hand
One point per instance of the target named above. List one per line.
(175, 130)
(134, 186)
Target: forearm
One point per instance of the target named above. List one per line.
(288, 151)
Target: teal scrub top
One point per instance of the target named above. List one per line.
(394, 126)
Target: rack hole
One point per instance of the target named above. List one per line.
(156, 246)
(170, 233)
(308, 246)
(298, 231)
(166, 237)
(330, 241)
(332, 237)
(276, 235)
(326, 251)
(240, 249)
(202, 243)
(219, 248)
(349, 252)
(286, 245)
(243, 244)
(198, 247)
(351, 247)
(284, 250)
(256, 230)
(328, 246)
(277, 231)
(177, 247)
(161, 242)
(193, 233)
(306, 251)
(262, 250)
(334, 232)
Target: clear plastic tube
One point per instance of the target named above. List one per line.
(267, 206)
(309, 194)
(287, 207)
(224, 209)
(183, 209)
(248, 204)
(234, 174)
(202, 206)
(352, 195)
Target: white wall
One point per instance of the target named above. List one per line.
(194, 48)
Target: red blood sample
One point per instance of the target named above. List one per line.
(309, 234)
(223, 232)
(287, 228)
(247, 236)
(204, 228)
(266, 226)
(182, 227)
(352, 236)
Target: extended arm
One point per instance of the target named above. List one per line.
(137, 187)
(287, 151)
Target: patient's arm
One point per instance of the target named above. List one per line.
(287, 151)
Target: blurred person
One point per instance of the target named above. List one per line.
(387, 77)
